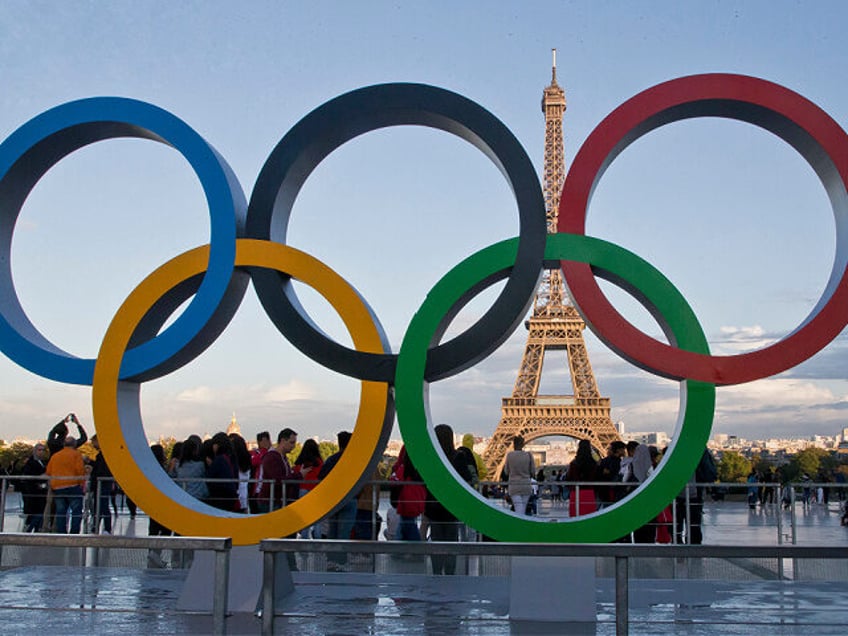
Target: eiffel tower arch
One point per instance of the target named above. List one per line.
(554, 325)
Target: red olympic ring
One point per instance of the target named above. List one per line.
(793, 118)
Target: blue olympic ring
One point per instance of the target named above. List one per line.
(29, 152)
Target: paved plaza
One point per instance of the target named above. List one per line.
(46, 590)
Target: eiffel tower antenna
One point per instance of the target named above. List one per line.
(554, 324)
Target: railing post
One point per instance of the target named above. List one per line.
(269, 569)
(221, 592)
(375, 504)
(2, 515)
(622, 596)
(3, 506)
(674, 537)
(793, 522)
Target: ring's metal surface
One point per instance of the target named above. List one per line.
(796, 120)
(29, 152)
(121, 432)
(411, 390)
(348, 116)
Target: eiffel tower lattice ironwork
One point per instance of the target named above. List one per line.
(554, 324)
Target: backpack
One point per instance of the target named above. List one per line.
(706, 472)
(466, 457)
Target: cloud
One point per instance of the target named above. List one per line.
(639, 414)
(294, 390)
(261, 394)
(779, 407)
(740, 339)
(198, 395)
(775, 394)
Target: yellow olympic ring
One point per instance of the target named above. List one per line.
(116, 404)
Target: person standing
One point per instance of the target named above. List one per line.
(342, 521)
(101, 485)
(753, 489)
(154, 528)
(66, 470)
(57, 435)
(263, 444)
(191, 470)
(519, 469)
(368, 519)
(443, 524)
(581, 469)
(276, 470)
(408, 497)
(480, 465)
(222, 474)
(308, 464)
(34, 491)
(690, 502)
(608, 470)
(640, 468)
(243, 465)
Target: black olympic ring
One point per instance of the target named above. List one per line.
(355, 113)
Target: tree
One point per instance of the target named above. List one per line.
(809, 460)
(384, 468)
(294, 453)
(327, 448)
(829, 463)
(12, 457)
(733, 467)
(167, 444)
(760, 465)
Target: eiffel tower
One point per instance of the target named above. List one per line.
(555, 324)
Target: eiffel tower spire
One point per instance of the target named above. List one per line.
(554, 324)
(550, 295)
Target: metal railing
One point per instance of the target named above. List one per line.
(553, 496)
(622, 553)
(220, 546)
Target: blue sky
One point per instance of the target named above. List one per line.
(729, 213)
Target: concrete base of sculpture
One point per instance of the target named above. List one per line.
(558, 590)
(245, 581)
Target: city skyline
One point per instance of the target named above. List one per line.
(715, 205)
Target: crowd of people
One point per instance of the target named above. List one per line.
(594, 484)
(61, 487)
(222, 472)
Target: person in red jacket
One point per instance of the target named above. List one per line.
(263, 445)
(276, 470)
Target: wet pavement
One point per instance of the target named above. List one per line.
(74, 600)
(47, 590)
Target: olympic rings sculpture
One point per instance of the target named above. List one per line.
(247, 242)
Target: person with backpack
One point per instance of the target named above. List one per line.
(467, 456)
(444, 526)
(690, 513)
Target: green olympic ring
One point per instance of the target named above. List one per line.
(626, 270)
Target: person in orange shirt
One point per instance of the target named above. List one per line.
(66, 471)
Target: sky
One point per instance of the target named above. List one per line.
(732, 215)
